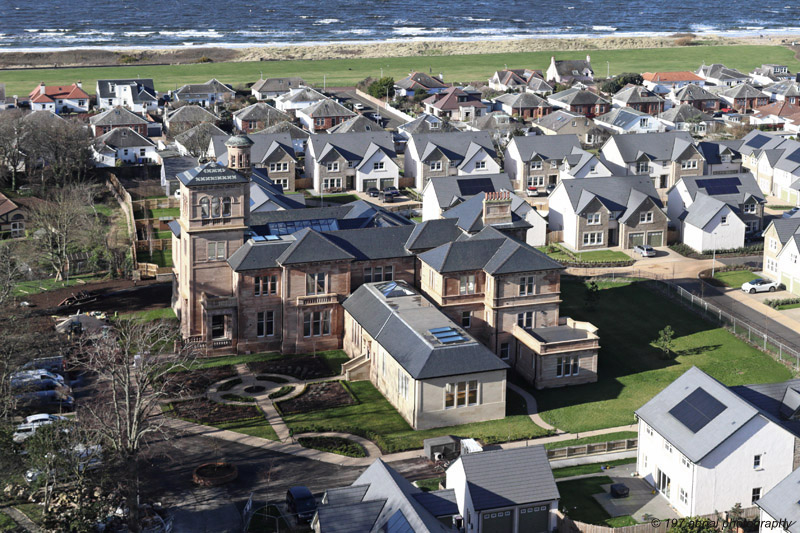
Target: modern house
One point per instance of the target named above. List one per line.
(716, 212)
(665, 82)
(256, 117)
(505, 490)
(347, 161)
(123, 145)
(455, 103)
(638, 98)
(774, 161)
(629, 120)
(781, 252)
(270, 88)
(438, 155)
(407, 348)
(418, 81)
(707, 447)
(787, 90)
(59, 98)
(510, 79)
(580, 102)
(561, 122)
(323, 115)
(117, 117)
(137, 95)
(665, 157)
(440, 195)
(425, 123)
(608, 212)
(567, 71)
(534, 160)
(720, 75)
(357, 124)
(525, 105)
(779, 509)
(206, 94)
(770, 73)
(299, 135)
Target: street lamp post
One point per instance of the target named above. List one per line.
(714, 255)
(608, 69)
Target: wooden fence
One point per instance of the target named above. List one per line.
(154, 244)
(568, 525)
(554, 237)
(591, 449)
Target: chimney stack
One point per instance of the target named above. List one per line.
(79, 84)
(41, 88)
(497, 208)
(588, 58)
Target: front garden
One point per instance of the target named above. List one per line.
(577, 502)
(733, 278)
(591, 258)
(631, 369)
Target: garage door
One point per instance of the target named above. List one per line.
(534, 519)
(387, 182)
(655, 238)
(635, 239)
(498, 522)
(370, 183)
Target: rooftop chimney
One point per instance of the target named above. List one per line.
(497, 208)
(588, 58)
(41, 88)
(80, 84)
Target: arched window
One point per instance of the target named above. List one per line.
(226, 206)
(215, 207)
(204, 203)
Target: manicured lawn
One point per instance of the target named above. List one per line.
(631, 370)
(43, 285)
(577, 502)
(608, 437)
(593, 468)
(152, 315)
(339, 198)
(375, 418)
(787, 306)
(461, 68)
(255, 427)
(598, 256)
(162, 258)
(333, 359)
(430, 484)
(734, 278)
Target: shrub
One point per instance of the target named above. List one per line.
(782, 301)
(126, 59)
(684, 41)
(228, 385)
(204, 59)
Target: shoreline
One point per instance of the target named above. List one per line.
(103, 57)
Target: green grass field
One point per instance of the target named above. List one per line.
(375, 418)
(734, 278)
(631, 370)
(577, 501)
(152, 315)
(7, 524)
(162, 258)
(456, 68)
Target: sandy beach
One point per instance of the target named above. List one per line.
(192, 54)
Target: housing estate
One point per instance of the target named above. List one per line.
(638, 98)
(666, 82)
(124, 145)
(437, 155)
(273, 153)
(257, 117)
(418, 81)
(440, 195)
(455, 103)
(59, 98)
(205, 94)
(580, 101)
(781, 252)
(561, 122)
(137, 95)
(535, 160)
(774, 161)
(270, 88)
(339, 161)
(117, 117)
(525, 105)
(323, 115)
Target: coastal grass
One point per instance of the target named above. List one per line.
(373, 417)
(631, 370)
(455, 68)
(577, 502)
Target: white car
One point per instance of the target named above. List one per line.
(32, 423)
(38, 373)
(760, 285)
(358, 106)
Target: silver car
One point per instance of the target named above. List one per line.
(645, 250)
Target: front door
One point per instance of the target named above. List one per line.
(218, 327)
(612, 237)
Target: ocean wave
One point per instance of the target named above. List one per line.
(604, 28)
(475, 19)
(138, 33)
(192, 33)
(702, 28)
(327, 21)
(355, 31)
(409, 30)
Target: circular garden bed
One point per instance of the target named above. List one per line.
(214, 474)
(255, 389)
(205, 411)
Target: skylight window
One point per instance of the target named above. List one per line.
(447, 335)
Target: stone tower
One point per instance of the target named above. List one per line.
(239, 147)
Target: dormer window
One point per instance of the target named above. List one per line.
(480, 165)
(725, 158)
(435, 125)
(592, 219)
(436, 165)
(645, 218)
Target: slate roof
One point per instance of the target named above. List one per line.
(264, 146)
(192, 114)
(702, 211)
(786, 228)
(345, 495)
(273, 85)
(294, 132)
(720, 72)
(454, 98)
(261, 112)
(667, 146)
(783, 154)
(692, 93)
(258, 255)
(636, 94)
(454, 145)
(266, 195)
(203, 132)
(420, 80)
(621, 117)
(768, 400)
(502, 478)
(743, 90)
(696, 445)
(620, 194)
(438, 502)
(546, 147)
(175, 227)
(357, 124)
(123, 138)
(453, 189)
(469, 213)
(566, 67)
(401, 324)
(490, 251)
(781, 502)
(523, 100)
(349, 518)
(117, 116)
(210, 174)
(724, 188)
(212, 86)
(327, 108)
(560, 118)
(373, 243)
(576, 96)
(351, 146)
(142, 89)
(304, 94)
(539, 84)
(784, 88)
(310, 246)
(712, 151)
(432, 233)
(422, 124)
(684, 112)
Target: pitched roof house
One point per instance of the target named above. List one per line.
(718, 74)
(534, 160)
(440, 195)
(298, 99)
(696, 96)
(205, 94)
(716, 212)
(257, 117)
(455, 103)
(434, 155)
(628, 120)
(419, 81)
(697, 432)
(425, 123)
(299, 135)
(117, 117)
(12, 219)
(580, 101)
(188, 116)
(639, 98)
(323, 115)
(357, 124)
(516, 80)
(666, 82)
(268, 88)
(687, 118)
(59, 98)
(272, 152)
(562, 122)
(744, 97)
(195, 141)
(526, 105)
(139, 95)
(125, 145)
(771, 73)
(352, 161)
(774, 161)
(781, 250)
(608, 212)
(570, 70)
(780, 508)
(784, 90)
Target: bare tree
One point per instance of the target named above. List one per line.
(61, 149)
(10, 272)
(133, 378)
(12, 131)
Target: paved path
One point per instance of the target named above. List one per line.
(21, 519)
(533, 409)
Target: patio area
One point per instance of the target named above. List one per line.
(640, 503)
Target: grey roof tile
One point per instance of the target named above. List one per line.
(781, 502)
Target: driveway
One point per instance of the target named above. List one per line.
(390, 121)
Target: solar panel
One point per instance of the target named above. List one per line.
(697, 410)
(758, 141)
(794, 157)
(475, 186)
(714, 190)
